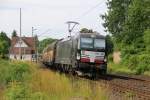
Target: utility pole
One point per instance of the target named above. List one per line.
(35, 41)
(33, 29)
(70, 29)
(20, 37)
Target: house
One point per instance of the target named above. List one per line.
(23, 48)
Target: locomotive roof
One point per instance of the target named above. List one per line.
(96, 35)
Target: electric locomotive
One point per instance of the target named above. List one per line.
(85, 53)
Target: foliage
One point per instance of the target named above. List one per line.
(17, 91)
(136, 22)
(57, 86)
(14, 33)
(12, 71)
(109, 44)
(44, 43)
(115, 18)
(119, 69)
(147, 40)
(85, 30)
(129, 23)
(4, 44)
(139, 63)
(43, 84)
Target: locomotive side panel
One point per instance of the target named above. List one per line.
(63, 52)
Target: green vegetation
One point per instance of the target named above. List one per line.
(85, 30)
(129, 23)
(11, 73)
(27, 81)
(119, 69)
(109, 45)
(4, 45)
(44, 43)
(14, 33)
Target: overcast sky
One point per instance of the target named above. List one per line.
(50, 16)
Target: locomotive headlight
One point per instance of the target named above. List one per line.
(105, 60)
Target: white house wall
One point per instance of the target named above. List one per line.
(23, 44)
(26, 57)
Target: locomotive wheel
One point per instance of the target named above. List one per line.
(74, 67)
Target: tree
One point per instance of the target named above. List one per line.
(136, 22)
(44, 43)
(147, 40)
(115, 18)
(14, 33)
(109, 44)
(85, 30)
(128, 21)
(4, 44)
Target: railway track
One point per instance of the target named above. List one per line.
(135, 88)
(139, 88)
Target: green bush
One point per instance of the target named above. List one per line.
(143, 64)
(39, 96)
(138, 63)
(17, 91)
(21, 91)
(12, 71)
(110, 57)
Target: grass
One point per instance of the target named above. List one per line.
(119, 69)
(147, 73)
(122, 69)
(26, 81)
(57, 86)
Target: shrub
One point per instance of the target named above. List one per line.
(139, 63)
(17, 91)
(12, 71)
(39, 96)
(110, 58)
(143, 63)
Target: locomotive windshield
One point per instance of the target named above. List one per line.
(99, 43)
(91, 43)
(86, 42)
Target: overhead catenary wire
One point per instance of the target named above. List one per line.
(89, 10)
(43, 33)
(79, 17)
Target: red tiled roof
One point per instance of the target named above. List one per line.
(30, 41)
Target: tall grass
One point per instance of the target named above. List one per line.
(123, 69)
(60, 87)
(27, 81)
(13, 71)
(119, 69)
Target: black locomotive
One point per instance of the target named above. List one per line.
(85, 53)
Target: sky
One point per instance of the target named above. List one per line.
(49, 17)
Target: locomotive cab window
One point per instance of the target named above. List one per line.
(99, 43)
(86, 43)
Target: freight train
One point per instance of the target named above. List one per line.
(84, 53)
